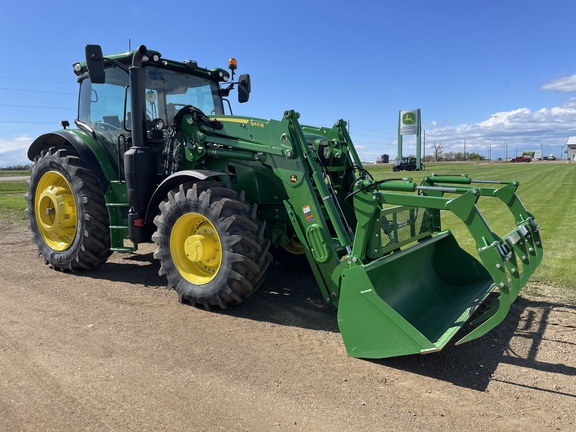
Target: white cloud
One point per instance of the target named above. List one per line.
(523, 120)
(13, 151)
(562, 85)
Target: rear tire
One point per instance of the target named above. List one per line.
(67, 212)
(210, 244)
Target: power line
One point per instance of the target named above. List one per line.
(37, 91)
(34, 79)
(27, 122)
(35, 106)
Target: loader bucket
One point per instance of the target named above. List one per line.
(406, 287)
(413, 301)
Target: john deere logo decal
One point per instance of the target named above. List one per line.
(408, 118)
(293, 178)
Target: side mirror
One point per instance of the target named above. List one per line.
(95, 64)
(244, 88)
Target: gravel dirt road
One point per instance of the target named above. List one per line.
(113, 350)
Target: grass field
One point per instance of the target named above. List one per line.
(12, 201)
(11, 173)
(547, 190)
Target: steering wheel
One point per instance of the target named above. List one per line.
(107, 127)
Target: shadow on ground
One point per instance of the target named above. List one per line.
(292, 298)
(138, 269)
(472, 365)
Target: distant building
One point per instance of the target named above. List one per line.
(571, 151)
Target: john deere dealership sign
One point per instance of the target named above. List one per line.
(409, 122)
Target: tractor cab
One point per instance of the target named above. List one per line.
(105, 109)
(106, 102)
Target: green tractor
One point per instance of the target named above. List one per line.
(155, 158)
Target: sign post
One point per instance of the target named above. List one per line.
(409, 123)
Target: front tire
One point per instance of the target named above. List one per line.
(67, 212)
(210, 244)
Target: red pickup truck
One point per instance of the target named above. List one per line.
(520, 159)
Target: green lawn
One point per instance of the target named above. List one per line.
(546, 189)
(12, 201)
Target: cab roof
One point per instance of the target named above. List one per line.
(155, 58)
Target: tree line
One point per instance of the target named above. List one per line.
(16, 168)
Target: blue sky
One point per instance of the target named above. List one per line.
(496, 75)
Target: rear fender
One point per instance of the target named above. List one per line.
(174, 181)
(99, 163)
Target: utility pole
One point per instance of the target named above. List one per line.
(464, 148)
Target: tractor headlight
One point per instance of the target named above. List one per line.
(224, 76)
(220, 74)
(78, 69)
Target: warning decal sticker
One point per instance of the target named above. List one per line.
(308, 214)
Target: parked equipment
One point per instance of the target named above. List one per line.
(155, 158)
(406, 164)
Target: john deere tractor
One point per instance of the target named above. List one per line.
(157, 156)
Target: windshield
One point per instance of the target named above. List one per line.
(105, 106)
(168, 91)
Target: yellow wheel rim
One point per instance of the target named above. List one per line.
(294, 247)
(56, 212)
(196, 248)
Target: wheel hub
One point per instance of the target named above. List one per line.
(202, 247)
(57, 209)
(196, 249)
